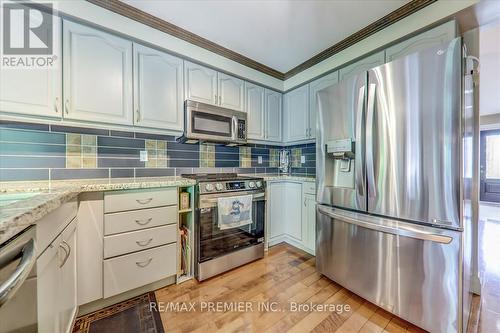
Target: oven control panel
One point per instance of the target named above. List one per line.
(232, 185)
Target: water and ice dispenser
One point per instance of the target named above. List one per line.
(342, 153)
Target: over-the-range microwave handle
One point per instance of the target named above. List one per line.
(234, 122)
(369, 140)
(401, 230)
(359, 159)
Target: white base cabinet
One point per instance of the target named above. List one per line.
(291, 214)
(57, 282)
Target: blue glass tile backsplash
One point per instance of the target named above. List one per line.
(31, 151)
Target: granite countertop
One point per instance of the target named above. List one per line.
(24, 203)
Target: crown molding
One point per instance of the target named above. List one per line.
(171, 29)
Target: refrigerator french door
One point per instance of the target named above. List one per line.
(389, 186)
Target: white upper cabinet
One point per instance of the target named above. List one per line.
(200, 83)
(362, 65)
(255, 108)
(315, 86)
(438, 35)
(273, 112)
(231, 92)
(97, 75)
(296, 117)
(36, 92)
(158, 89)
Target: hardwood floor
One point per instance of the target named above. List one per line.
(284, 276)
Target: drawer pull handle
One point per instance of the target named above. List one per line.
(143, 222)
(144, 242)
(144, 201)
(143, 264)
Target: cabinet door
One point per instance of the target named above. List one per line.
(273, 112)
(255, 108)
(158, 89)
(297, 114)
(314, 87)
(68, 277)
(293, 210)
(309, 222)
(231, 92)
(200, 83)
(48, 286)
(97, 75)
(438, 35)
(362, 65)
(276, 210)
(36, 92)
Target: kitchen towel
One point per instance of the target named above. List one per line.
(234, 212)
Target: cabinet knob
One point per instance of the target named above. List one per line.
(66, 106)
(138, 115)
(56, 105)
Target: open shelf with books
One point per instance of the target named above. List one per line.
(185, 266)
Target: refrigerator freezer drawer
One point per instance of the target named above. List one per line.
(409, 270)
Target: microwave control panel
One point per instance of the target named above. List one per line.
(242, 132)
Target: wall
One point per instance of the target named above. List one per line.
(32, 151)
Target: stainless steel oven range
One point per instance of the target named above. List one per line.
(221, 249)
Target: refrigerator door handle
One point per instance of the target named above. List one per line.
(359, 148)
(369, 140)
(400, 230)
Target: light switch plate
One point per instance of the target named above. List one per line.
(259, 159)
(302, 159)
(143, 156)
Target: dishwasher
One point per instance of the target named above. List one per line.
(18, 284)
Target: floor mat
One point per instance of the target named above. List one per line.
(130, 316)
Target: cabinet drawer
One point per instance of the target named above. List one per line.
(129, 200)
(138, 269)
(133, 241)
(51, 225)
(309, 188)
(139, 219)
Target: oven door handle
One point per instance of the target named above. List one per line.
(212, 202)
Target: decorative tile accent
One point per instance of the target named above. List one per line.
(274, 158)
(207, 156)
(81, 151)
(295, 157)
(157, 153)
(245, 157)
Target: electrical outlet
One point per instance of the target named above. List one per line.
(259, 159)
(302, 159)
(143, 156)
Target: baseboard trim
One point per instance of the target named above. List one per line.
(290, 241)
(102, 303)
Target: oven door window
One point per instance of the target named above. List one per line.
(211, 124)
(215, 242)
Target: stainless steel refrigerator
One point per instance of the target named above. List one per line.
(393, 214)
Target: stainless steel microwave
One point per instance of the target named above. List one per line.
(205, 122)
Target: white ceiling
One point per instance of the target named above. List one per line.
(278, 33)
